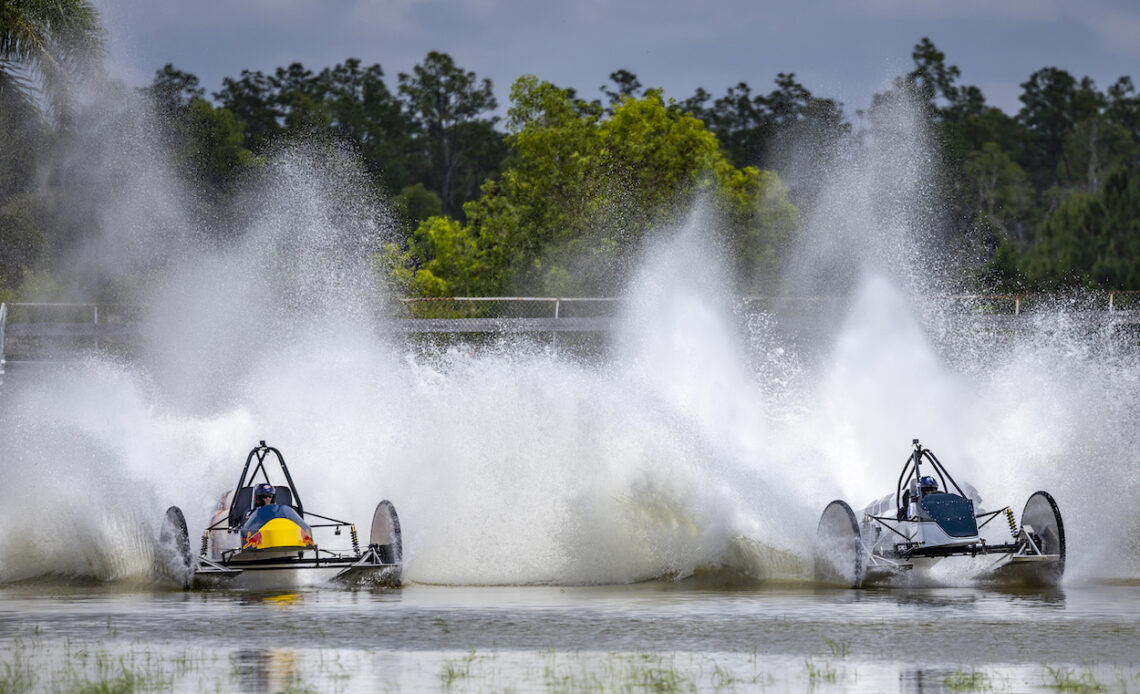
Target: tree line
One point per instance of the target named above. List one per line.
(556, 197)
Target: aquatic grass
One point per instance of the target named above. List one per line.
(124, 674)
(441, 623)
(972, 681)
(617, 672)
(457, 670)
(838, 649)
(1068, 680)
(648, 672)
(17, 677)
(130, 668)
(820, 673)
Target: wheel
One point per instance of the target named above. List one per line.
(174, 547)
(385, 534)
(839, 549)
(1041, 522)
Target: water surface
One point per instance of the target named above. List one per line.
(656, 636)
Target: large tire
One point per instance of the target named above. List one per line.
(1048, 531)
(385, 535)
(174, 547)
(839, 549)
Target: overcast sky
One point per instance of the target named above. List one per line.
(843, 49)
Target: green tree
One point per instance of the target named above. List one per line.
(1123, 109)
(22, 237)
(1053, 103)
(1000, 193)
(253, 98)
(1091, 240)
(1062, 255)
(1118, 262)
(213, 148)
(48, 43)
(207, 142)
(584, 191)
(448, 104)
(626, 85)
(742, 124)
(932, 79)
(414, 204)
(367, 114)
(787, 128)
(172, 90)
(45, 46)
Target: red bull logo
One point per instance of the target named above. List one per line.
(278, 533)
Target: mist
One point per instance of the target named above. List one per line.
(699, 441)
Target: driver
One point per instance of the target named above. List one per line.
(927, 485)
(263, 495)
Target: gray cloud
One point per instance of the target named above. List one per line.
(837, 48)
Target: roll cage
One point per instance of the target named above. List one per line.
(242, 497)
(912, 464)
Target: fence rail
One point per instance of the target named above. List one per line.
(45, 322)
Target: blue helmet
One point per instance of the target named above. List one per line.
(265, 489)
(927, 484)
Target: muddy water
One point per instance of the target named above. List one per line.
(650, 636)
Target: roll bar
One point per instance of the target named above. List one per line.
(259, 452)
(913, 462)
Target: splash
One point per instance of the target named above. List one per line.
(704, 441)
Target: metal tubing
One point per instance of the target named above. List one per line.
(3, 324)
(938, 466)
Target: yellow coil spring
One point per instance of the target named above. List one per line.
(205, 537)
(1012, 524)
(355, 542)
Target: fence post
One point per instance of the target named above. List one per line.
(554, 334)
(3, 324)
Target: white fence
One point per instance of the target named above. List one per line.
(45, 322)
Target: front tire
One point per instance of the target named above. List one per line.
(838, 548)
(1041, 522)
(385, 535)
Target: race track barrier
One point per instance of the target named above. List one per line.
(43, 323)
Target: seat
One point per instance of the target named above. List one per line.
(243, 502)
(284, 496)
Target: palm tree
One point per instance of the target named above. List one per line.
(44, 44)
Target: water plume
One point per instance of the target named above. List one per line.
(705, 440)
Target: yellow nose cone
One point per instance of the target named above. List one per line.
(279, 532)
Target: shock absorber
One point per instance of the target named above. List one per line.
(205, 538)
(1012, 523)
(355, 542)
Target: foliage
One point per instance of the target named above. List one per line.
(207, 145)
(1091, 240)
(1032, 190)
(564, 199)
(582, 194)
(21, 237)
(46, 43)
(414, 204)
(45, 46)
(751, 128)
(446, 103)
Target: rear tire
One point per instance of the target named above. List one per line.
(174, 547)
(385, 535)
(1048, 531)
(838, 548)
